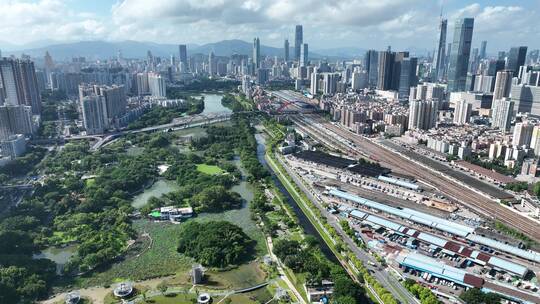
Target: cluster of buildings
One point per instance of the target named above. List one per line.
(20, 105)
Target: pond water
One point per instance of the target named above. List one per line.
(212, 103)
(159, 188)
(59, 255)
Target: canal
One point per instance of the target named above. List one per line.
(302, 218)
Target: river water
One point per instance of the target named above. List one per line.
(302, 218)
(212, 104)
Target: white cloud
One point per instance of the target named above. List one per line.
(362, 23)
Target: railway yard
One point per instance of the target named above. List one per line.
(427, 221)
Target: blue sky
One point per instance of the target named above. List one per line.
(327, 24)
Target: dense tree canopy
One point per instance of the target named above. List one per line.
(215, 243)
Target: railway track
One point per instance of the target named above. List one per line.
(465, 196)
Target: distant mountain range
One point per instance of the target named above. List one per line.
(136, 49)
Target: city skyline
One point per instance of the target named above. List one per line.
(402, 24)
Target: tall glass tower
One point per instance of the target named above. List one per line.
(439, 58)
(459, 55)
(298, 41)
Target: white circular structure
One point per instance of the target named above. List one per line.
(204, 298)
(123, 290)
(73, 297)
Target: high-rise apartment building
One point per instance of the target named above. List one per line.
(459, 55)
(423, 114)
(156, 84)
(15, 119)
(314, 88)
(94, 114)
(522, 134)
(19, 83)
(501, 113)
(462, 112)
(330, 81)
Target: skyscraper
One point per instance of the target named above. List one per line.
(503, 84)
(407, 76)
(371, 64)
(15, 119)
(483, 46)
(385, 67)
(501, 113)
(462, 112)
(440, 56)
(182, 49)
(212, 68)
(314, 87)
(257, 52)
(19, 82)
(286, 49)
(156, 84)
(298, 41)
(304, 55)
(93, 110)
(516, 58)
(423, 114)
(522, 134)
(459, 55)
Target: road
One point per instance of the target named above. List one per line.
(382, 276)
(444, 184)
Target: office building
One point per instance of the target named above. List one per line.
(371, 64)
(212, 64)
(15, 119)
(494, 66)
(423, 114)
(304, 55)
(94, 114)
(522, 134)
(526, 98)
(13, 146)
(503, 84)
(359, 80)
(483, 47)
(459, 55)
(440, 55)
(19, 83)
(407, 76)
(182, 50)
(156, 84)
(298, 41)
(286, 49)
(263, 75)
(516, 58)
(502, 110)
(462, 112)
(385, 70)
(257, 52)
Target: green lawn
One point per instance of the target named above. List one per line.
(209, 169)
